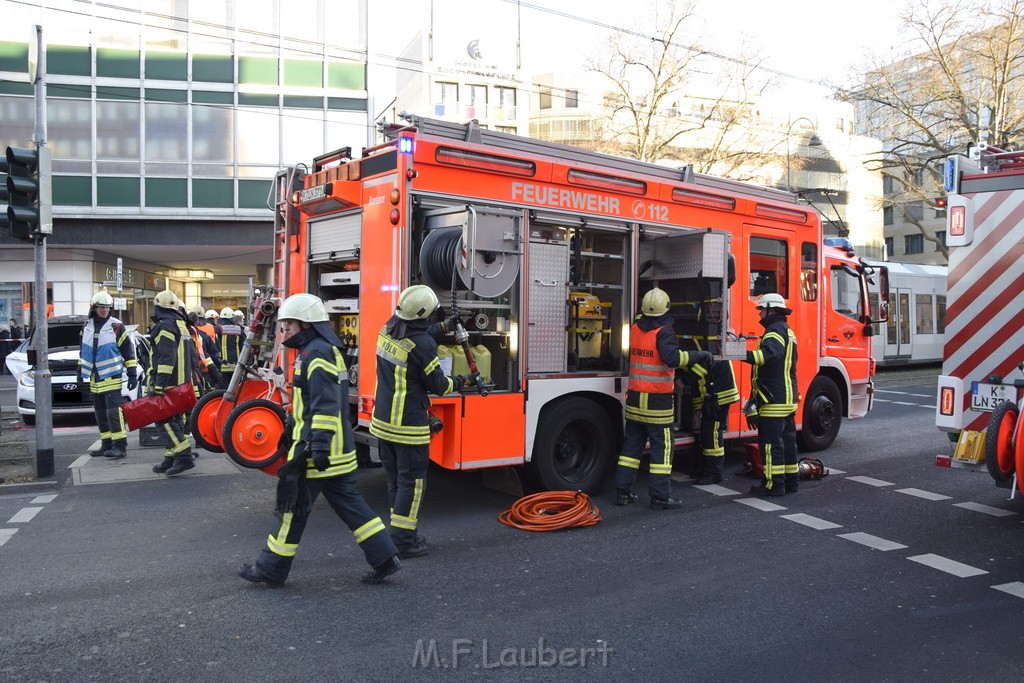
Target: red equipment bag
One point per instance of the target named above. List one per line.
(149, 409)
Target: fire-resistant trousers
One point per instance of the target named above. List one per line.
(343, 496)
(109, 419)
(406, 469)
(635, 437)
(172, 430)
(712, 447)
(777, 438)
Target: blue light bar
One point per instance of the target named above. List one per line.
(405, 145)
(949, 175)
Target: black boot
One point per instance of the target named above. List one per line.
(665, 504)
(417, 549)
(382, 570)
(117, 451)
(164, 465)
(256, 575)
(182, 462)
(762, 491)
(709, 478)
(104, 447)
(623, 497)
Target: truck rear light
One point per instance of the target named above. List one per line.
(957, 221)
(947, 399)
(366, 404)
(394, 216)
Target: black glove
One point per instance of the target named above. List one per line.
(285, 441)
(159, 385)
(749, 358)
(703, 357)
(216, 376)
(451, 322)
(291, 480)
(321, 460)
(458, 381)
(133, 381)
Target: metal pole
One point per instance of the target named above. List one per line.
(43, 388)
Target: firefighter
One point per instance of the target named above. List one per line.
(654, 356)
(775, 396)
(172, 366)
(408, 368)
(205, 322)
(209, 357)
(716, 391)
(107, 350)
(229, 342)
(322, 455)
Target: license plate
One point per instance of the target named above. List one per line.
(985, 397)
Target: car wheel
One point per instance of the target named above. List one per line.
(29, 420)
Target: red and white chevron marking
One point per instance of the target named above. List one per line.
(985, 311)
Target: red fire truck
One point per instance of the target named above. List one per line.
(980, 386)
(546, 251)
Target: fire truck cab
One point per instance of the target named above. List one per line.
(545, 251)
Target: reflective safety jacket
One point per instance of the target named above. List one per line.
(773, 376)
(720, 381)
(407, 368)
(106, 351)
(172, 359)
(654, 356)
(320, 405)
(211, 331)
(229, 340)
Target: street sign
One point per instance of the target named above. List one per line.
(120, 275)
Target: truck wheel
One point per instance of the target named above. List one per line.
(573, 448)
(823, 413)
(252, 433)
(999, 450)
(202, 422)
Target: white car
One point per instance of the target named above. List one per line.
(70, 395)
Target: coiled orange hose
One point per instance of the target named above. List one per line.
(550, 511)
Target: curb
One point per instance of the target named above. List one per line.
(28, 487)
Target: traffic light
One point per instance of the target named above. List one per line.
(29, 210)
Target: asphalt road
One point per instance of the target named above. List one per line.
(890, 570)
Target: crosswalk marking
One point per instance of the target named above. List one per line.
(760, 504)
(24, 515)
(944, 564)
(717, 490)
(39, 500)
(870, 481)
(872, 541)
(986, 509)
(5, 535)
(1015, 588)
(813, 522)
(927, 495)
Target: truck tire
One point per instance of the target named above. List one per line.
(252, 433)
(573, 448)
(999, 450)
(823, 413)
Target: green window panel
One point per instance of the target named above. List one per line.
(346, 75)
(71, 190)
(257, 70)
(117, 63)
(162, 95)
(246, 100)
(167, 192)
(68, 60)
(346, 104)
(252, 194)
(82, 92)
(208, 97)
(8, 88)
(105, 92)
(213, 68)
(303, 73)
(14, 57)
(300, 102)
(167, 66)
(213, 194)
(118, 192)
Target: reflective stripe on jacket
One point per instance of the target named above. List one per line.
(105, 353)
(774, 369)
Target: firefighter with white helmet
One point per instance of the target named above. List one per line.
(407, 369)
(209, 356)
(106, 352)
(172, 366)
(230, 338)
(775, 397)
(322, 456)
(654, 356)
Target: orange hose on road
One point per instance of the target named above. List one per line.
(550, 511)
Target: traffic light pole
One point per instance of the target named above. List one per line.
(43, 381)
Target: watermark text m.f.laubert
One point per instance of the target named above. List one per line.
(484, 654)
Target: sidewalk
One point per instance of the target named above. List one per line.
(138, 465)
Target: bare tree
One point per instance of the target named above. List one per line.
(649, 110)
(964, 82)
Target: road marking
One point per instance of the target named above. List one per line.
(717, 490)
(902, 393)
(1015, 588)
(5, 535)
(680, 477)
(927, 495)
(761, 504)
(929, 406)
(39, 500)
(870, 481)
(978, 507)
(833, 470)
(24, 515)
(944, 564)
(872, 541)
(813, 522)
(80, 462)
